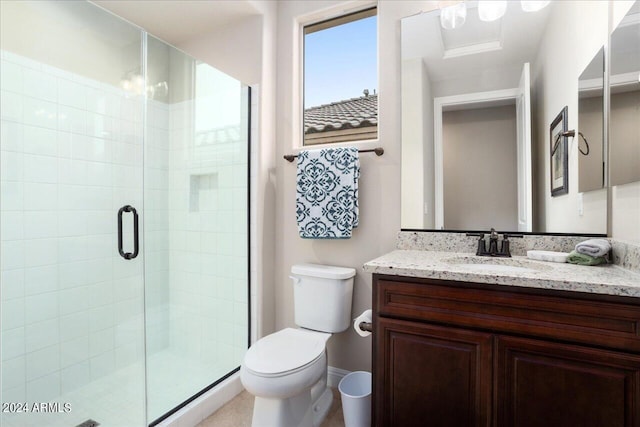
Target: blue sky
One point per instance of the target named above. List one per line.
(340, 62)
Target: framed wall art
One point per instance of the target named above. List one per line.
(559, 154)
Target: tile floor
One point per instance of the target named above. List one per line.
(113, 400)
(237, 413)
(117, 399)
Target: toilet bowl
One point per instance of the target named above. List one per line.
(287, 371)
(284, 363)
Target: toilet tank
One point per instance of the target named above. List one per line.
(322, 296)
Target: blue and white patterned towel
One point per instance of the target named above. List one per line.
(327, 193)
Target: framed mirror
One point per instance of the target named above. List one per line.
(589, 138)
(624, 90)
(477, 104)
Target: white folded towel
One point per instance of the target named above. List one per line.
(594, 247)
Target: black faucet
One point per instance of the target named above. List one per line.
(493, 244)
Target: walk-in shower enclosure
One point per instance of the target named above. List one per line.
(124, 220)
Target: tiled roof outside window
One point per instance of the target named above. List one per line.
(348, 114)
(352, 119)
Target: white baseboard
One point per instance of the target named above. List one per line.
(334, 375)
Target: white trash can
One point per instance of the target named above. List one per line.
(355, 391)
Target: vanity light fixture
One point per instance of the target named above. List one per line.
(134, 84)
(453, 13)
(533, 5)
(490, 10)
(453, 16)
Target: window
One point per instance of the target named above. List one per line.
(340, 79)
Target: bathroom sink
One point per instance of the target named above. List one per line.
(495, 265)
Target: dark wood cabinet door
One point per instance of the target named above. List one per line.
(427, 375)
(546, 384)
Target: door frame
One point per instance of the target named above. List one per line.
(479, 99)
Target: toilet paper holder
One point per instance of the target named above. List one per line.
(363, 324)
(366, 326)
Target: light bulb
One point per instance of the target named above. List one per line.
(453, 16)
(490, 10)
(533, 5)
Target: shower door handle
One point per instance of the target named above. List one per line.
(123, 254)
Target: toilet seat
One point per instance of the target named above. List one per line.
(285, 352)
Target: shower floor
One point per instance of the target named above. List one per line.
(117, 400)
(171, 386)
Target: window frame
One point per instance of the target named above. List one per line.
(339, 16)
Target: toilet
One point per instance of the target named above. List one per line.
(287, 370)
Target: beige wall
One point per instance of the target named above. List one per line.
(417, 146)
(625, 204)
(235, 49)
(564, 52)
(590, 124)
(379, 182)
(624, 134)
(479, 147)
(263, 191)
(275, 231)
(626, 212)
(557, 63)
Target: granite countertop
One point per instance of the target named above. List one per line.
(604, 279)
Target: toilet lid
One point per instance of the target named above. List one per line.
(285, 350)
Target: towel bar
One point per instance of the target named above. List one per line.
(378, 150)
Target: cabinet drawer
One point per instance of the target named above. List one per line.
(601, 320)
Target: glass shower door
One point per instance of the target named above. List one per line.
(97, 117)
(71, 157)
(196, 201)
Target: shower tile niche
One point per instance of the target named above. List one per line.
(203, 192)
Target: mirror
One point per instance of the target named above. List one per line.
(624, 113)
(477, 103)
(591, 125)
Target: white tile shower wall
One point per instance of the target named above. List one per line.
(71, 156)
(208, 244)
(156, 233)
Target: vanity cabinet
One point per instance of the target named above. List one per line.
(431, 375)
(458, 354)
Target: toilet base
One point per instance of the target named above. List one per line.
(321, 406)
(295, 411)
